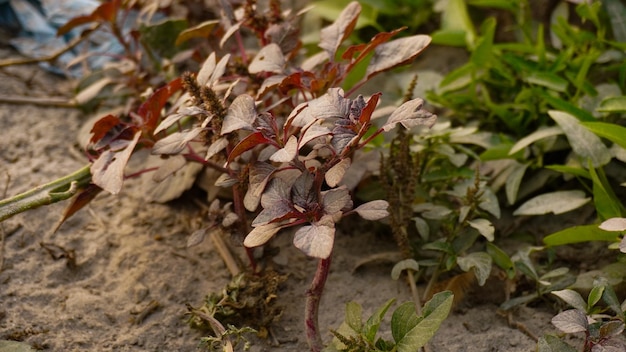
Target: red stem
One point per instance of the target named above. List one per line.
(313, 296)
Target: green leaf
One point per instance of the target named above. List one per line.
(435, 312)
(613, 132)
(551, 343)
(161, 37)
(373, 323)
(594, 297)
(403, 320)
(501, 259)
(480, 262)
(558, 202)
(456, 17)
(548, 80)
(605, 201)
(577, 234)
(610, 298)
(563, 105)
(410, 264)
(482, 54)
(584, 143)
(354, 314)
(576, 171)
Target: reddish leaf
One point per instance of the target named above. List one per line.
(246, 144)
(316, 240)
(366, 113)
(241, 115)
(297, 80)
(103, 13)
(395, 53)
(269, 59)
(103, 126)
(79, 201)
(150, 110)
(366, 48)
(108, 170)
(332, 36)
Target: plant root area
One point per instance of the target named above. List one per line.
(118, 276)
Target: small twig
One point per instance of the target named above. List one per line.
(2, 231)
(56, 55)
(225, 253)
(39, 101)
(145, 312)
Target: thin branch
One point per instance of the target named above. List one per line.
(39, 101)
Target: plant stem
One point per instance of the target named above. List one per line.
(55, 191)
(313, 296)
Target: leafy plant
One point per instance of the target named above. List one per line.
(410, 330)
(601, 331)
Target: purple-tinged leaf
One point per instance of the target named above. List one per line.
(395, 53)
(175, 142)
(288, 152)
(260, 174)
(316, 240)
(332, 36)
(334, 175)
(330, 105)
(103, 127)
(269, 59)
(571, 321)
(313, 132)
(246, 144)
(80, 200)
(611, 328)
(374, 210)
(241, 115)
(261, 234)
(275, 201)
(410, 114)
(336, 200)
(168, 167)
(303, 193)
(342, 137)
(108, 170)
(286, 35)
(216, 147)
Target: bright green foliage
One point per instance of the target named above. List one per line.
(410, 331)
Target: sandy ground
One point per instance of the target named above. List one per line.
(134, 275)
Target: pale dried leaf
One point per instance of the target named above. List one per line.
(234, 28)
(260, 174)
(241, 114)
(335, 174)
(225, 180)
(571, 321)
(206, 70)
(288, 152)
(87, 94)
(313, 132)
(396, 52)
(197, 237)
(317, 239)
(268, 84)
(332, 36)
(175, 142)
(336, 200)
(558, 202)
(410, 114)
(485, 227)
(269, 59)
(330, 105)
(614, 224)
(169, 166)
(175, 117)
(229, 219)
(219, 70)
(108, 170)
(374, 210)
(216, 147)
(260, 235)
